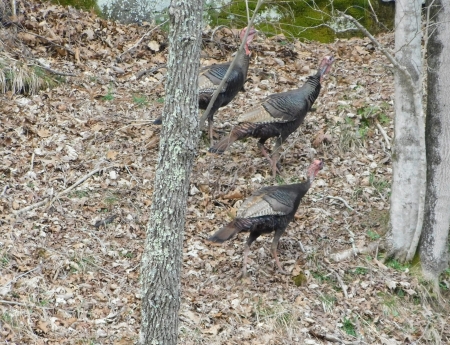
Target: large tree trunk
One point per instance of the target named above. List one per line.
(408, 158)
(434, 241)
(161, 261)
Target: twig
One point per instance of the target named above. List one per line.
(385, 136)
(32, 162)
(331, 338)
(341, 283)
(48, 69)
(140, 74)
(4, 190)
(343, 255)
(386, 53)
(20, 276)
(373, 12)
(343, 201)
(51, 42)
(23, 304)
(132, 176)
(230, 69)
(119, 58)
(67, 190)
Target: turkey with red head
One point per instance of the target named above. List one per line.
(211, 76)
(278, 115)
(268, 209)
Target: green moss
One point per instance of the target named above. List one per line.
(87, 5)
(306, 19)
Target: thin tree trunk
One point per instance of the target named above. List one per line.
(408, 187)
(162, 257)
(433, 248)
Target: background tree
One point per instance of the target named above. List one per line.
(434, 240)
(415, 217)
(161, 260)
(408, 156)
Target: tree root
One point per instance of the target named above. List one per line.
(346, 254)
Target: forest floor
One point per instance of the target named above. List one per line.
(70, 257)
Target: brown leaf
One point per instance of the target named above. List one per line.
(153, 45)
(43, 133)
(111, 155)
(15, 205)
(43, 326)
(235, 194)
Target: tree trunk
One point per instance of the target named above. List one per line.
(408, 158)
(162, 257)
(433, 248)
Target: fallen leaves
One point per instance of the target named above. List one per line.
(72, 265)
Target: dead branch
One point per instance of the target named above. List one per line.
(346, 254)
(385, 136)
(341, 283)
(332, 338)
(23, 304)
(343, 201)
(373, 12)
(140, 74)
(48, 69)
(4, 190)
(67, 190)
(51, 42)
(119, 58)
(386, 53)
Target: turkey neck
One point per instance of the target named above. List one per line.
(300, 189)
(312, 87)
(243, 61)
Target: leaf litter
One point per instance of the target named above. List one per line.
(77, 171)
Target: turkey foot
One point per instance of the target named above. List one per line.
(275, 256)
(274, 160)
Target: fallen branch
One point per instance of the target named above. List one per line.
(343, 201)
(48, 69)
(348, 253)
(385, 136)
(51, 42)
(23, 304)
(119, 58)
(67, 190)
(4, 190)
(332, 338)
(341, 283)
(140, 74)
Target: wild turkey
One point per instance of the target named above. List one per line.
(278, 115)
(268, 209)
(211, 76)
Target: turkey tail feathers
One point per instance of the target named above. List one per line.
(225, 233)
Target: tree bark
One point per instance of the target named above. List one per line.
(408, 158)
(433, 248)
(162, 257)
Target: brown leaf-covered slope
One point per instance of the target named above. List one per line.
(69, 268)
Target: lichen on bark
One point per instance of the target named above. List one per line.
(161, 260)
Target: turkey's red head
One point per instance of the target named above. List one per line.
(325, 66)
(314, 168)
(251, 34)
